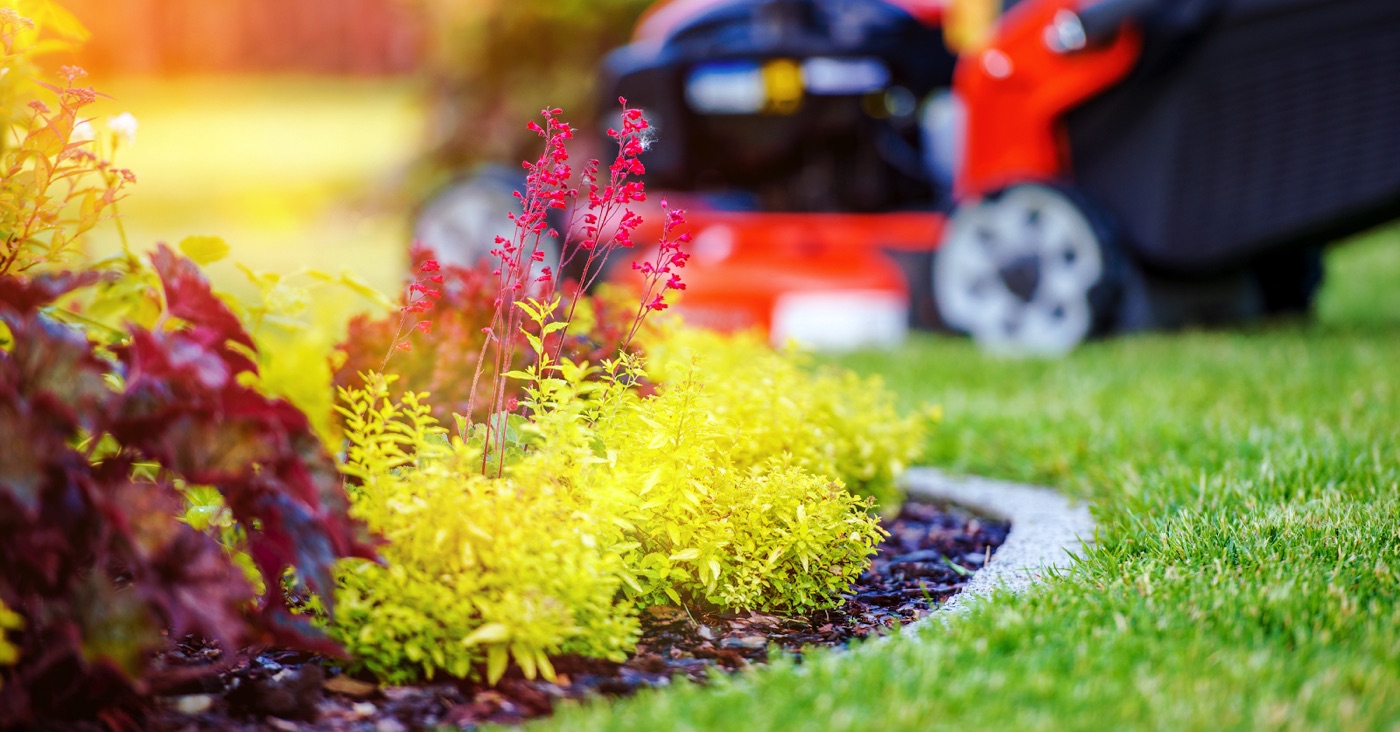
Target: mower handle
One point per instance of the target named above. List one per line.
(1094, 23)
(1102, 20)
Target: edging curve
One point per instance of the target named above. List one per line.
(1047, 529)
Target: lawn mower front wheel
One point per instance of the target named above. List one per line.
(1027, 270)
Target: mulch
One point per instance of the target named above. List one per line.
(930, 555)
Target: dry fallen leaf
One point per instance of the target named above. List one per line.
(349, 687)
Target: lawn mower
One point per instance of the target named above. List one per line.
(1132, 164)
(1077, 167)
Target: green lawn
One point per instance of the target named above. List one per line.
(1246, 576)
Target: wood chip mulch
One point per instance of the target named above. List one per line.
(931, 553)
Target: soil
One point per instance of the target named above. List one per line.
(930, 555)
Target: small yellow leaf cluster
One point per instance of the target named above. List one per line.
(9, 620)
(477, 570)
(57, 180)
(773, 405)
(703, 528)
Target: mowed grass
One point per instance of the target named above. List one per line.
(292, 172)
(1247, 569)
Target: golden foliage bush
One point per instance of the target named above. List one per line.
(607, 502)
(774, 405)
(478, 570)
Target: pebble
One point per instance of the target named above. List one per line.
(752, 642)
(389, 724)
(194, 703)
(927, 555)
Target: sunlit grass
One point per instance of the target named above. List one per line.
(292, 172)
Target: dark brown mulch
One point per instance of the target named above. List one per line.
(930, 555)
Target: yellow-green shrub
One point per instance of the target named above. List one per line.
(478, 570)
(608, 502)
(768, 536)
(770, 404)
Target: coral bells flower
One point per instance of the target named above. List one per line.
(659, 273)
(418, 299)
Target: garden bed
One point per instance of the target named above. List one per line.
(930, 555)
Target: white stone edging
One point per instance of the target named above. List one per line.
(1047, 530)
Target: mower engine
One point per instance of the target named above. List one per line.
(786, 105)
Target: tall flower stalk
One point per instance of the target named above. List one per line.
(603, 223)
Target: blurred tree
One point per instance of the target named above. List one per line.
(494, 64)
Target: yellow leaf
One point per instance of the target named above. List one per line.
(204, 250)
(546, 668)
(365, 290)
(488, 633)
(525, 657)
(773, 556)
(496, 660)
(681, 556)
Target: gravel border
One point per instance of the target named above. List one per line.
(1047, 530)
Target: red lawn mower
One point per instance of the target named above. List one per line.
(1131, 164)
(1088, 166)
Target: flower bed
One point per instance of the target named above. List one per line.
(184, 474)
(931, 553)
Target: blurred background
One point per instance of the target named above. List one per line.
(304, 132)
(308, 132)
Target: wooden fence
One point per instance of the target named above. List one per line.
(347, 37)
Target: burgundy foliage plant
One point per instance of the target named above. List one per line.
(95, 448)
